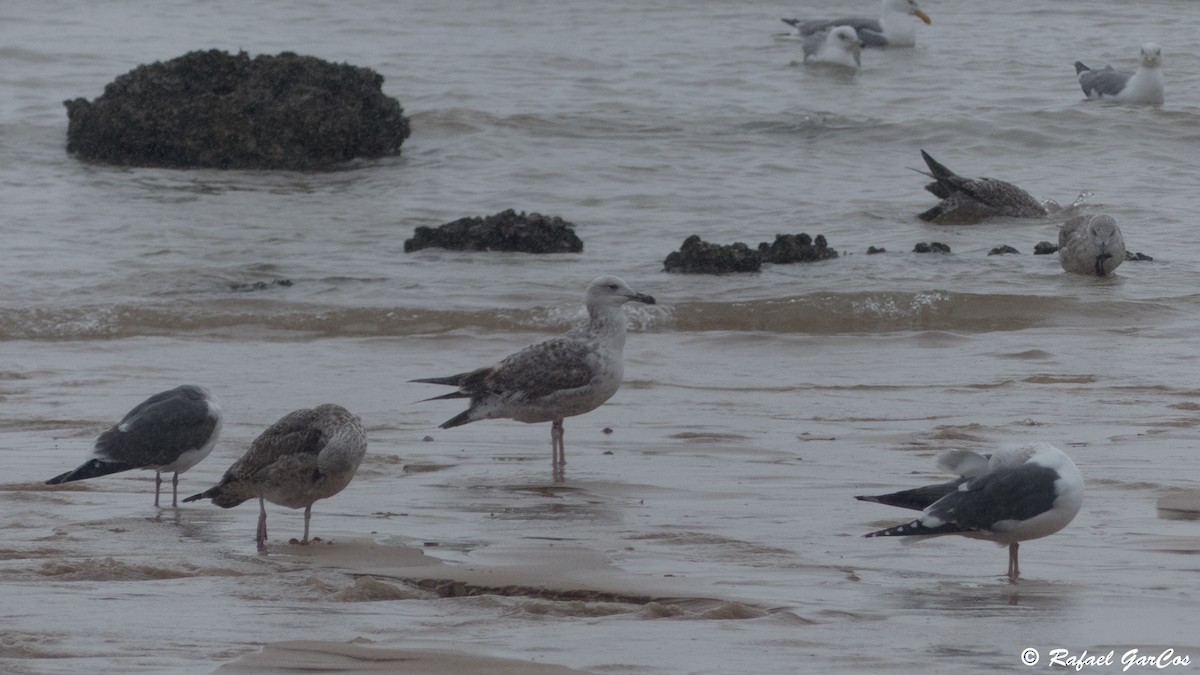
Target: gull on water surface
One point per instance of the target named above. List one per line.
(1145, 85)
(839, 47)
(970, 200)
(564, 376)
(894, 27)
(170, 431)
(1091, 244)
(1019, 493)
(307, 455)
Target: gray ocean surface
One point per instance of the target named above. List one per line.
(707, 523)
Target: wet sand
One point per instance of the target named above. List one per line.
(710, 529)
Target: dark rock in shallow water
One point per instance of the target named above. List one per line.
(217, 110)
(871, 250)
(1045, 248)
(1003, 250)
(933, 247)
(505, 231)
(697, 256)
(242, 287)
(1138, 257)
(791, 248)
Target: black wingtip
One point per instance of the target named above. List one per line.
(914, 529)
(90, 469)
(937, 169)
(451, 381)
(1079, 67)
(791, 22)
(456, 421)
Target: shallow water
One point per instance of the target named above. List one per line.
(706, 523)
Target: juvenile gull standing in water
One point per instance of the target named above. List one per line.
(561, 377)
(170, 431)
(1145, 85)
(1090, 244)
(839, 47)
(893, 28)
(307, 455)
(969, 200)
(1014, 495)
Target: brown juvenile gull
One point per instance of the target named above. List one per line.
(1145, 85)
(970, 200)
(1019, 493)
(561, 377)
(307, 455)
(1090, 244)
(893, 28)
(170, 431)
(839, 46)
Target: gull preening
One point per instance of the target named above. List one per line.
(1091, 244)
(894, 27)
(970, 200)
(839, 46)
(564, 376)
(307, 455)
(1017, 494)
(170, 431)
(1145, 85)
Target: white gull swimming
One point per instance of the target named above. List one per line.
(839, 47)
(1145, 85)
(564, 376)
(894, 27)
(1017, 494)
(170, 431)
(1091, 244)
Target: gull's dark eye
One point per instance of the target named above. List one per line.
(612, 287)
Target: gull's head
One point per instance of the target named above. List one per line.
(1103, 231)
(906, 7)
(846, 38)
(1151, 54)
(611, 291)
(845, 35)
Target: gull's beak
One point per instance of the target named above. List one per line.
(642, 297)
(924, 17)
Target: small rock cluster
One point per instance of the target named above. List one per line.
(697, 256)
(504, 231)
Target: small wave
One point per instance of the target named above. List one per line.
(814, 314)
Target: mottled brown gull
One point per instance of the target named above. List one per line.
(307, 455)
(1017, 494)
(1145, 85)
(839, 47)
(970, 200)
(170, 431)
(894, 27)
(1090, 244)
(564, 376)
